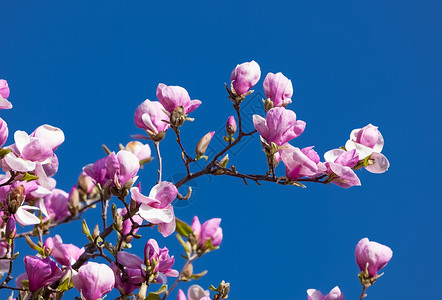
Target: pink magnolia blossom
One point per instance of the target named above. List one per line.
(372, 255)
(210, 230)
(49, 135)
(123, 283)
(122, 167)
(4, 94)
(65, 254)
(335, 294)
(368, 141)
(94, 280)
(150, 115)
(55, 205)
(3, 132)
(231, 125)
(140, 150)
(301, 162)
(279, 127)
(341, 163)
(97, 171)
(41, 272)
(278, 89)
(245, 76)
(4, 89)
(157, 208)
(194, 292)
(173, 96)
(153, 256)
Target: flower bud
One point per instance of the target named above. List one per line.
(4, 89)
(140, 150)
(11, 229)
(244, 77)
(278, 89)
(74, 201)
(15, 198)
(231, 125)
(150, 116)
(371, 257)
(94, 280)
(41, 272)
(3, 132)
(211, 230)
(202, 145)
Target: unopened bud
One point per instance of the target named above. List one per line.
(223, 290)
(231, 125)
(178, 116)
(224, 161)
(118, 222)
(15, 199)
(202, 145)
(187, 272)
(268, 105)
(74, 201)
(96, 232)
(11, 229)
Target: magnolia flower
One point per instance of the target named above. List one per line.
(245, 76)
(372, 256)
(203, 143)
(41, 272)
(231, 125)
(210, 230)
(195, 292)
(140, 150)
(97, 172)
(156, 208)
(127, 224)
(341, 164)
(94, 280)
(123, 283)
(3, 132)
(150, 116)
(4, 94)
(368, 142)
(301, 162)
(335, 294)
(279, 127)
(122, 167)
(55, 205)
(49, 135)
(157, 258)
(278, 89)
(173, 96)
(65, 254)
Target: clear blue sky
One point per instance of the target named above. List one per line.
(84, 66)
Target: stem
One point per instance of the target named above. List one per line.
(160, 161)
(186, 157)
(363, 295)
(178, 280)
(11, 263)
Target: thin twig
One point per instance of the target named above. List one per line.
(160, 163)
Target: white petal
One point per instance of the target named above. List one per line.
(361, 150)
(24, 217)
(331, 155)
(19, 164)
(5, 104)
(314, 294)
(21, 140)
(380, 165)
(155, 215)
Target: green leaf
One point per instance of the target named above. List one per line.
(65, 285)
(153, 296)
(33, 245)
(29, 177)
(182, 228)
(145, 161)
(213, 288)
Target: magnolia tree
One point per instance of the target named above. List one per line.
(110, 186)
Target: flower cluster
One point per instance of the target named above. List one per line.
(110, 185)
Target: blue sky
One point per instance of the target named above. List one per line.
(85, 66)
